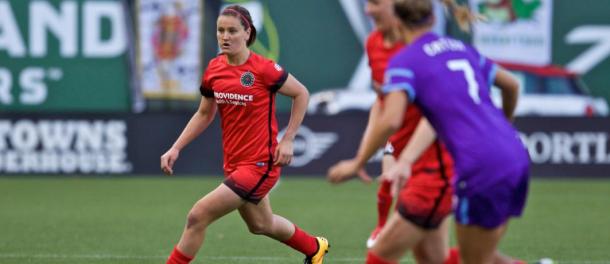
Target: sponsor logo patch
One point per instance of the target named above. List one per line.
(247, 79)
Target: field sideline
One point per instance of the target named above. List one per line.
(138, 220)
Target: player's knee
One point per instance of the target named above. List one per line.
(259, 227)
(196, 219)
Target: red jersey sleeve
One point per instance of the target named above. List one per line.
(206, 87)
(275, 75)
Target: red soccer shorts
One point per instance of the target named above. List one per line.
(425, 200)
(252, 182)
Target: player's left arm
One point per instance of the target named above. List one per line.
(510, 91)
(504, 80)
(300, 97)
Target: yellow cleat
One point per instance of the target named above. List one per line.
(318, 258)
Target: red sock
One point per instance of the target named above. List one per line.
(178, 257)
(302, 242)
(384, 202)
(454, 256)
(371, 258)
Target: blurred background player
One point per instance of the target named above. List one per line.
(426, 199)
(450, 82)
(381, 44)
(242, 85)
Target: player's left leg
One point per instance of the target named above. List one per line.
(208, 209)
(261, 221)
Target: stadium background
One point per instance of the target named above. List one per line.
(89, 100)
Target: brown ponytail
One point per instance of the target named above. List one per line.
(244, 17)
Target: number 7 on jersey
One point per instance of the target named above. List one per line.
(465, 67)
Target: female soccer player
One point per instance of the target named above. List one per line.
(426, 199)
(242, 85)
(381, 44)
(450, 82)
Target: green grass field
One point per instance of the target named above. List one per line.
(138, 220)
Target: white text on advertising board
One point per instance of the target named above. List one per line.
(71, 146)
(567, 148)
(77, 29)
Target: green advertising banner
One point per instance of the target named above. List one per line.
(519, 31)
(581, 41)
(64, 56)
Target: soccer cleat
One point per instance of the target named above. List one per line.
(318, 257)
(371, 241)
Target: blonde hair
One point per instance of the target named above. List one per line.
(462, 14)
(418, 13)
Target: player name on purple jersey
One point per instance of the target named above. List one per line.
(442, 45)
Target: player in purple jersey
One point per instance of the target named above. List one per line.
(450, 82)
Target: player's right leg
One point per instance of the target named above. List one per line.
(262, 221)
(253, 184)
(212, 206)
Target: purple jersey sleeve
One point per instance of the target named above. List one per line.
(488, 68)
(399, 78)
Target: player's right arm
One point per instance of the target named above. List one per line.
(390, 121)
(423, 137)
(374, 115)
(198, 123)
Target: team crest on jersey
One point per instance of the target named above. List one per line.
(247, 79)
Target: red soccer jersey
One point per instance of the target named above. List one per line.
(245, 95)
(379, 55)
